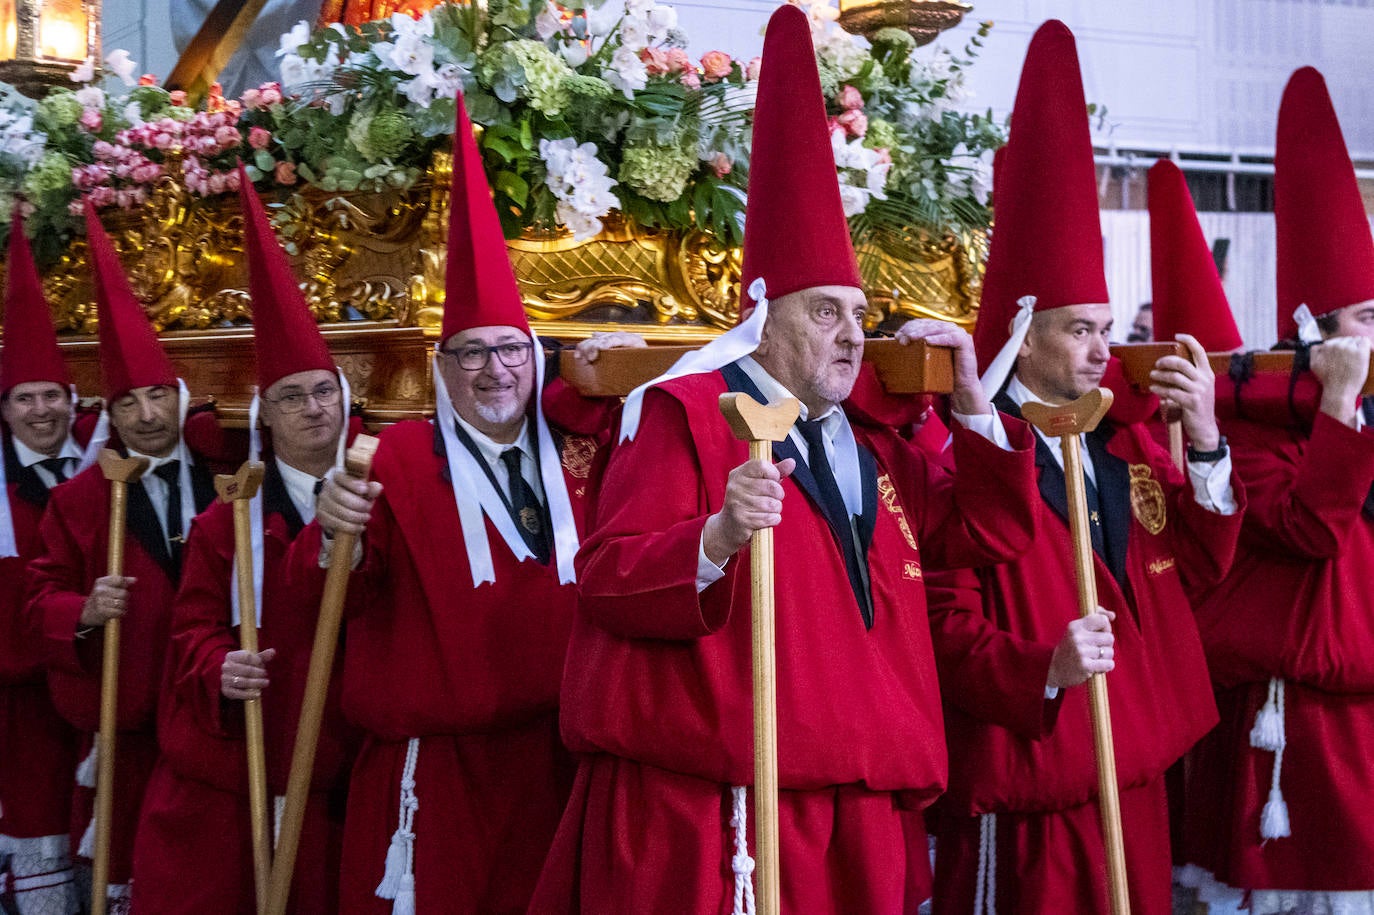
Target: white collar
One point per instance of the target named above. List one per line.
(300, 487)
(28, 457)
(774, 390)
(155, 462)
(491, 450)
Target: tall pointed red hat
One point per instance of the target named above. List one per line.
(479, 288)
(795, 233)
(130, 354)
(286, 338)
(1187, 292)
(1047, 240)
(30, 350)
(1325, 250)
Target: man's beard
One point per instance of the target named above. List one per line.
(498, 415)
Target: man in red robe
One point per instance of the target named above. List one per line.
(657, 694)
(1019, 830)
(37, 747)
(1290, 632)
(72, 597)
(461, 602)
(193, 852)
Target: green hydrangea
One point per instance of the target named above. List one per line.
(388, 134)
(881, 135)
(830, 79)
(589, 89)
(529, 69)
(52, 174)
(894, 41)
(58, 111)
(657, 172)
(153, 101)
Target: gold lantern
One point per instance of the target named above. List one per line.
(43, 41)
(923, 19)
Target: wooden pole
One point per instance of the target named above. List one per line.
(358, 464)
(238, 490)
(120, 472)
(760, 426)
(1068, 423)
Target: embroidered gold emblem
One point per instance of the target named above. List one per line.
(911, 570)
(1147, 499)
(1160, 566)
(888, 493)
(529, 520)
(578, 453)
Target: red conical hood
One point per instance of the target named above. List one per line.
(1325, 251)
(1188, 296)
(130, 355)
(795, 233)
(286, 338)
(30, 350)
(480, 288)
(1047, 241)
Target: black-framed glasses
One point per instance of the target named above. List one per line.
(326, 394)
(473, 357)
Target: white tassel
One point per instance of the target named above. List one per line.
(398, 879)
(1274, 818)
(395, 865)
(87, 847)
(741, 863)
(1267, 734)
(85, 773)
(405, 897)
(278, 811)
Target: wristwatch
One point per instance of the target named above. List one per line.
(1208, 457)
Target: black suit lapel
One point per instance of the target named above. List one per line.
(277, 501)
(1114, 493)
(867, 522)
(28, 485)
(202, 486)
(145, 527)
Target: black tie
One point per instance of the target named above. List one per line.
(170, 474)
(525, 508)
(319, 484)
(55, 466)
(1095, 526)
(836, 513)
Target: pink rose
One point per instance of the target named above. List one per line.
(715, 65)
(751, 72)
(163, 140)
(258, 138)
(91, 119)
(231, 181)
(655, 61)
(285, 173)
(271, 95)
(147, 174)
(850, 98)
(252, 99)
(178, 97)
(690, 79)
(227, 136)
(678, 61)
(102, 196)
(218, 184)
(854, 122)
(147, 79)
(721, 164)
(884, 157)
(103, 150)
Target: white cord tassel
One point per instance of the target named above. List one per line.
(398, 881)
(278, 811)
(985, 896)
(85, 773)
(1269, 733)
(741, 863)
(86, 849)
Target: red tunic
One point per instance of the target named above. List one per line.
(39, 747)
(473, 672)
(193, 851)
(995, 632)
(75, 532)
(657, 686)
(1297, 605)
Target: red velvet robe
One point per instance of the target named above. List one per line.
(657, 690)
(473, 672)
(1031, 760)
(1297, 605)
(75, 532)
(193, 852)
(37, 747)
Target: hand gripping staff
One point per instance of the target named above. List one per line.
(120, 471)
(760, 426)
(357, 464)
(238, 490)
(1068, 423)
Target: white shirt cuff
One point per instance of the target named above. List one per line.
(988, 425)
(708, 573)
(1051, 692)
(1212, 485)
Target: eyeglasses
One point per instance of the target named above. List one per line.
(474, 357)
(326, 395)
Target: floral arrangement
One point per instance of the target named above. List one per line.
(583, 110)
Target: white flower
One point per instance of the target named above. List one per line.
(549, 22)
(574, 53)
(877, 179)
(421, 90)
(601, 20)
(133, 114)
(122, 65)
(634, 33)
(85, 71)
(299, 35)
(580, 183)
(405, 27)
(626, 72)
(448, 81)
(413, 54)
(90, 97)
(661, 20)
(292, 70)
(853, 199)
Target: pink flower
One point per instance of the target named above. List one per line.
(147, 79)
(218, 184)
(102, 196)
(690, 79)
(163, 140)
(655, 61)
(850, 98)
(148, 173)
(178, 97)
(103, 150)
(854, 122)
(715, 65)
(91, 119)
(884, 157)
(76, 208)
(231, 181)
(252, 99)
(271, 95)
(227, 136)
(678, 61)
(751, 72)
(285, 173)
(258, 138)
(721, 164)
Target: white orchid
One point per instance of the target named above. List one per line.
(549, 22)
(421, 90)
(90, 97)
(299, 35)
(581, 185)
(626, 72)
(574, 53)
(413, 54)
(122, 66)
(84, 72)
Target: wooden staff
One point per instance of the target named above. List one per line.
(238, 490)
(760, 426)
(1068, 423)
(358, 464)
(120, 471)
